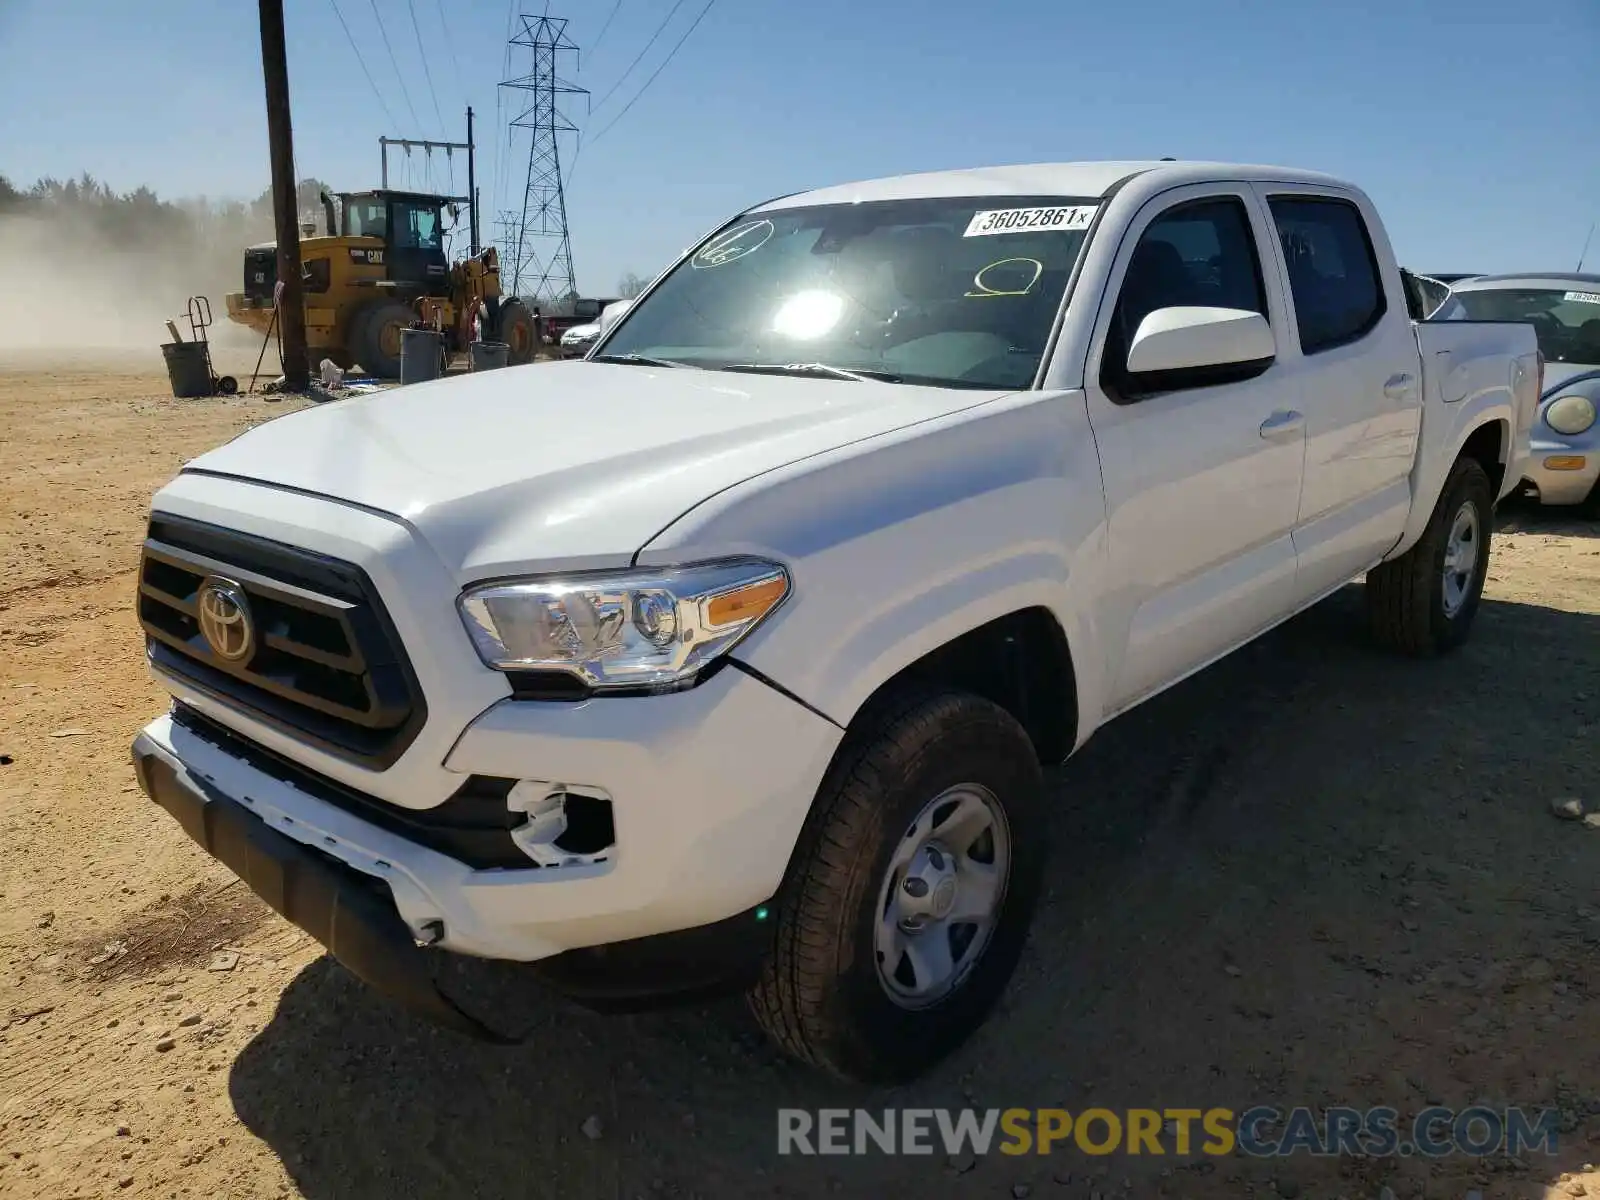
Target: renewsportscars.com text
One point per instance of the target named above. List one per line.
(1260, 1132)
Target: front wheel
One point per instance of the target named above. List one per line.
(911, 892)
(1423, 603)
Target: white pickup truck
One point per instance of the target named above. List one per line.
(728, 656)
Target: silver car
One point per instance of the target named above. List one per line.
(575, 342)
(1564, 311)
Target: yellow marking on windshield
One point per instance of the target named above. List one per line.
(984, 289)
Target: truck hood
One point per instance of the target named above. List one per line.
(564, 465)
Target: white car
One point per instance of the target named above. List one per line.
(729, 656)
(1564, 310)
(576, 341)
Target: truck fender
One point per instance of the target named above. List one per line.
(900, 544)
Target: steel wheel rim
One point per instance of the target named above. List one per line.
(389, 338)
(941, 896)
(1461, 551)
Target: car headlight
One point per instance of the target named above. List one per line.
(1570, 414)
(650, 628)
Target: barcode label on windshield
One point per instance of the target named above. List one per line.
(1030, 220)
(1583, 297)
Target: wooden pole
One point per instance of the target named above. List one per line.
(280, 138)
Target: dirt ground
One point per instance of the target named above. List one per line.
(1312, 875)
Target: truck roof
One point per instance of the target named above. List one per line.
(1088, 180)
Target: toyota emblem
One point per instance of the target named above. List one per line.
(225, 620)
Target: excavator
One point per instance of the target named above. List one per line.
(379, 269)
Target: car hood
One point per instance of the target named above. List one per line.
(569, 465)
(1558, 375)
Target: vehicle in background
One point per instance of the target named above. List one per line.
(585, 310)
(1451, 278)
(577, 340)
(731, 655)
(1564, 310)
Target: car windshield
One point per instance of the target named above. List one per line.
(949, 292)
(1566, 321)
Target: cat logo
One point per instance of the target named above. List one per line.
(370, 258)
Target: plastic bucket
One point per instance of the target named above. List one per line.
(187, 369)
(421, 355)
(486, 356)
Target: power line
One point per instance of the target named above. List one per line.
(362, 63)
(449, 44)
(426, 74)
(642, 53)
(393, 62)
(656, 72)
(605, 27)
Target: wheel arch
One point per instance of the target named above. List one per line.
(1021, 661)
(1485, 437)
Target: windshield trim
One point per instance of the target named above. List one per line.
(1019, 199)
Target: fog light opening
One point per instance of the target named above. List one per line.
(566, 826)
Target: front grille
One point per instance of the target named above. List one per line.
(327, 666)
(473, 826)
(260, 273)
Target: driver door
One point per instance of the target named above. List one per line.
(1202, 480)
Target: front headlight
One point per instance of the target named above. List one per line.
(1570, 415)
(649, 628)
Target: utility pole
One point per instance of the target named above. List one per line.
(472, 184)
(280, 138)
(428, 147)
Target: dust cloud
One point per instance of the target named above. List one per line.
(69, 292)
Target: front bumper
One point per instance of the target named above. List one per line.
(341, 909)
(708, 789)
(1578, 459)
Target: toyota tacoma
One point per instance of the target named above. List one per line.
(730, 656)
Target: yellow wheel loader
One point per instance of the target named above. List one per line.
(381, 268)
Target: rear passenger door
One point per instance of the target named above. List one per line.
(1201, 479)
(1352, 358)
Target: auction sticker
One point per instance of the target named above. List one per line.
(734, 243)
(1030, 220)
(1583, 297)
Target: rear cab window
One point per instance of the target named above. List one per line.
(1333, 270)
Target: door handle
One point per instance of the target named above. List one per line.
(1398, 386)
(1282, 424)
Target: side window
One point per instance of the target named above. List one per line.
(1199, 253)
(1333, 270)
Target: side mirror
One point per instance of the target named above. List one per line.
(1191, 338)
(611, 313)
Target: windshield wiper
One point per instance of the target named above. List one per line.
(637, 360)
(817, 370)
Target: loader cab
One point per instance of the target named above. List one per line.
(411, 226)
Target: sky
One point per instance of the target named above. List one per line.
(1473, 124)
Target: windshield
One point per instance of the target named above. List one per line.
(1566, 322)
(950, 292)
(417, 226)
(366, 217)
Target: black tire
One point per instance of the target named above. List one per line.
(517, 330)
(375, 337)
(1406, 598)
(820, 995)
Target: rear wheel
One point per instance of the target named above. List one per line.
(517, 331)
(1423, 602)
(911, 892)
(376, 336)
